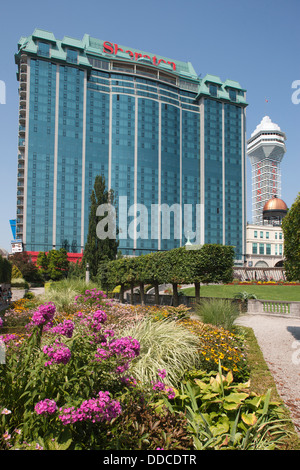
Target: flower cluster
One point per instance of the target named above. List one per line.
(46, 406)
(101, 408)
(65, 329)
(92, 297)
(217, 344)
(123, 349)
(58, 353)
(1, 322)
(162, 387)
(44, 314)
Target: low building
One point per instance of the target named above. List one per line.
(265, 242)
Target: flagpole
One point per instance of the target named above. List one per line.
(266, 101)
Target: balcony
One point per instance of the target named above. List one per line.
(23, 76)
(21, 143)
(22, 119)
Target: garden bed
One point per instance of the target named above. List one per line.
(110, 376)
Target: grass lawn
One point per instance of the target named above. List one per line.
(271, 292)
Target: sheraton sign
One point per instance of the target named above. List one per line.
(110, 48)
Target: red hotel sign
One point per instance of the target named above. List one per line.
(110, 48)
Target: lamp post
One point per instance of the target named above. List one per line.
(87, 273)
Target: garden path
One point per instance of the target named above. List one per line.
(279, 340)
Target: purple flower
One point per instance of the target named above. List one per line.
(101, 408)
(126, 347)
(66, 329)
(58, 353)
(44, 314)
(1, 322)
(45, 407)
(162, 373)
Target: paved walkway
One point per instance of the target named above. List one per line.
(279, 340)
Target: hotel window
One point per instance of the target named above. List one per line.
(43, 49)
(254, 248)
(255, 233)
(280, 249)
(232, 95)
(213, 90)
(261, 235)
(72, 56)
(268, 249)
(276, 250)
(261, 249)
(267, 235)
(280, 235)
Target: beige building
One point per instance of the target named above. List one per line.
(265, 242)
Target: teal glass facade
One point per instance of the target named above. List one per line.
(159, 134)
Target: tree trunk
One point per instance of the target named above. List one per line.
(122, 293)
(142, 293)
(156, 289)
(197, 292)
(131, 295)
(175, 295)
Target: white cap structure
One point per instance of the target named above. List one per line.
(265, 148)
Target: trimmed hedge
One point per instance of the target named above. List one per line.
(211, 263)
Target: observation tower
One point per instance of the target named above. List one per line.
(265, 148)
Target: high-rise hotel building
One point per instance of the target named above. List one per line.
(157, 132)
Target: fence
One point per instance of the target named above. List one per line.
(259, 274)
(164, 299)
(274, 307)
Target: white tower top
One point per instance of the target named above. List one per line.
(266, 125)
(265, 148)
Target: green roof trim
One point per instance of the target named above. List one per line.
(107, 50)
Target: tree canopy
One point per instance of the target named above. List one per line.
(210, 263)
(291, 231)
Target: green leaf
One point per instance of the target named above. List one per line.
(249, 418)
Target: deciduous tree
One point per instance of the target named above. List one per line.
(291, 232)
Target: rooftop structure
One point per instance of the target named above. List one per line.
(265, 148)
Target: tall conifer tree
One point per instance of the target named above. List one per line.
(98, 251)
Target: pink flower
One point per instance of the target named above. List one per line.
(44, 314)
(46, 406)
(101, 408)
(66, 329)
(58, 353)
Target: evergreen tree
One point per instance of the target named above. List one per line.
(291, 231)
(98, 251)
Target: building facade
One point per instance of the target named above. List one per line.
(157, 132)
(265, 148)
(265, 242)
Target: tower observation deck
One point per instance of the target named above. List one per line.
(265, 148)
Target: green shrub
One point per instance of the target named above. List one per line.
(19, 283)
(226, 415)
(218, 312)
(164, 345)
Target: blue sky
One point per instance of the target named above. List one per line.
(255, 42)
